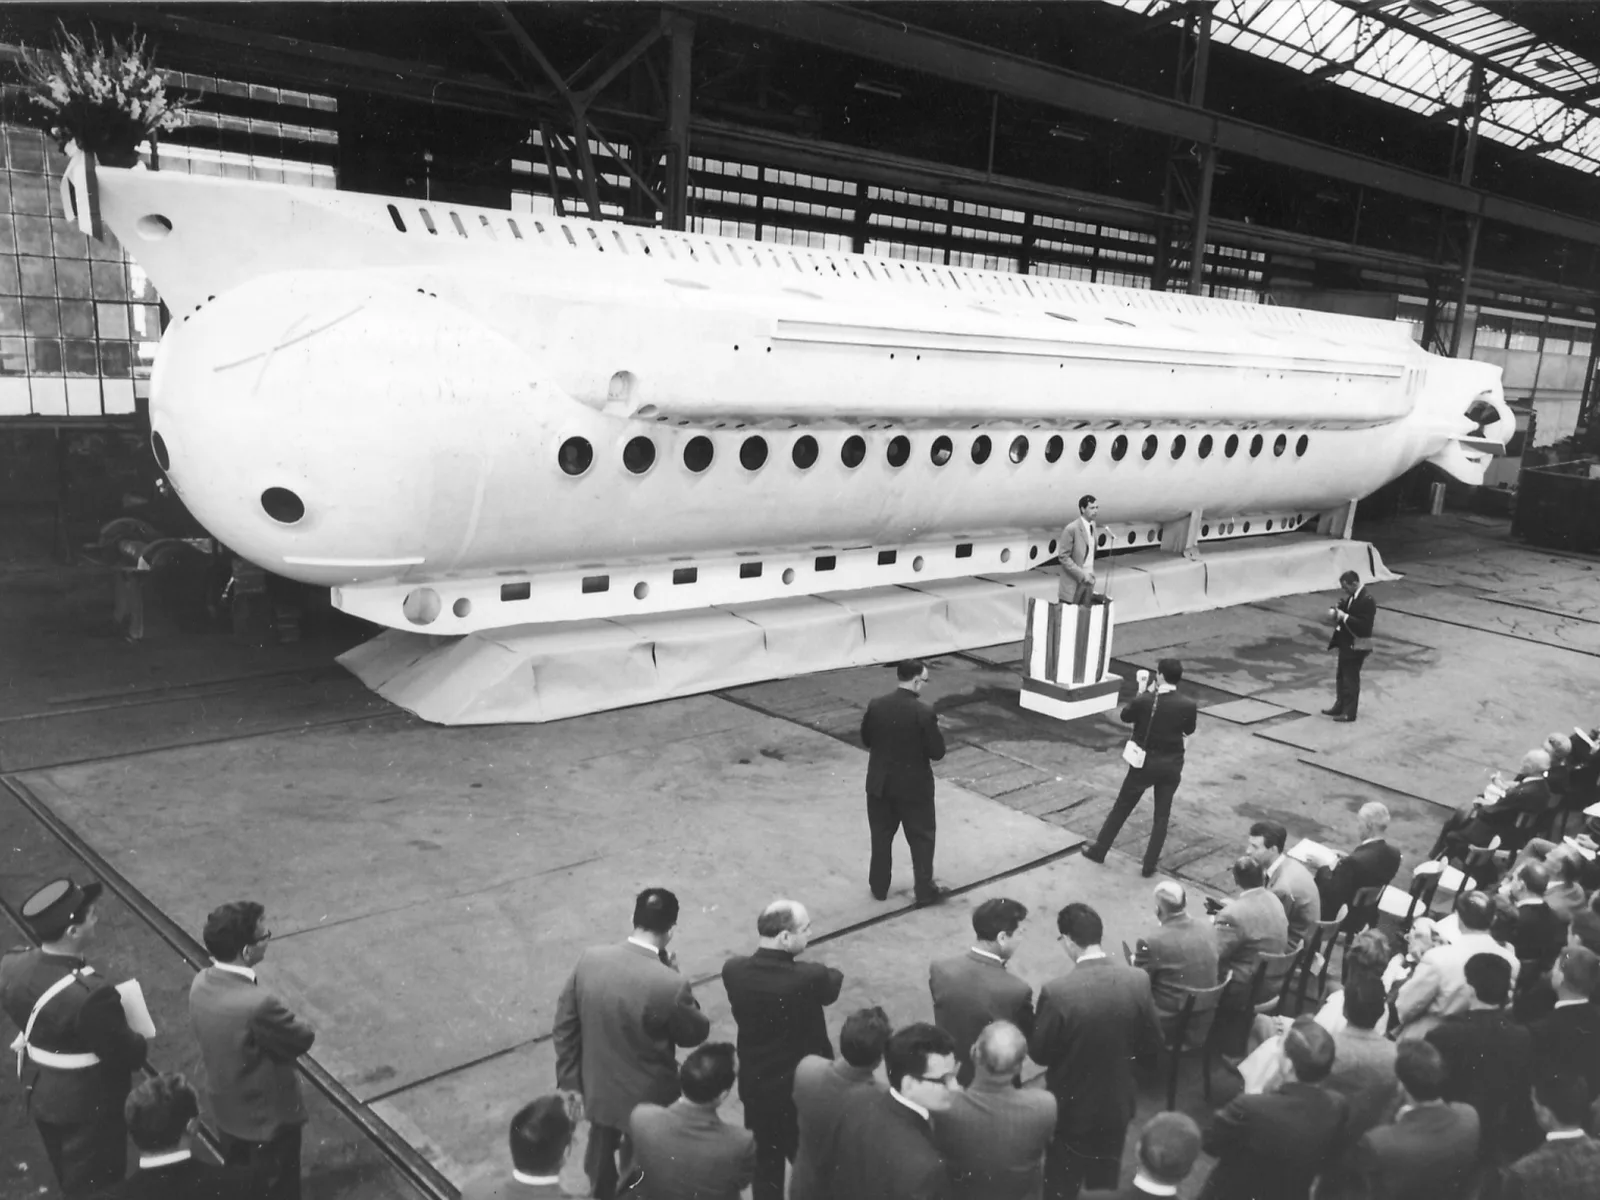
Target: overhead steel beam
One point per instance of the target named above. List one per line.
(866, 35)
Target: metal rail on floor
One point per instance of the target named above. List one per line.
(399, 1153)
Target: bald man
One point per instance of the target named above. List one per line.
(1180, 954)
(777, 1004)
(994, 1134)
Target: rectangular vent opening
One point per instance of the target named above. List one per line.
(749, 570)
(685, 574)
(886, 557)
(963, 549)
(596, 583)
(826, 562)
(515, 591)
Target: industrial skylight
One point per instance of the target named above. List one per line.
(1419, 54)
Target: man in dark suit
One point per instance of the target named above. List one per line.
(621, 1015)
(685, 1150)
(1568, 1037)
(1373, 863)
(249, 1042)
(974, 989)
(79, 1054)
(994, 1135)
(1162, 720)
(777, 1004)
(1540, 933)
(885, 1148)
(1090, 1026)
(823, 1092)
(1488, 1061)
(1271, 1146)
(1567, 1165)
(1169, 1144)
(902, 737)
(1253, 923)
(1483, 820)
(1180, 954)
(1352, 637)
(159, 1111)
(541, 1136)
(1430, 1151)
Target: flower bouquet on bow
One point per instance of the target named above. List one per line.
(106, 98)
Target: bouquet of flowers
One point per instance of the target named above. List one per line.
(107, 98)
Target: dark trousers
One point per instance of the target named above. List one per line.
(276, 1161)
(1161, 774)
(1347, 683)
(1089, 1158)
(87, 1156)
(600, 1160)
(886, 815)
(776, 1127)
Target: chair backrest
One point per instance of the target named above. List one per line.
(1196, 1016)
(1272, 973)
(1423, 889)
(1322, 938)
(1127, 954)
(1364, 905)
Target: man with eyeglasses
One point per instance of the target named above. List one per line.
(249, 1042)
(885, 1148)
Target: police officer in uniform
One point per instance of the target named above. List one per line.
(76, 1055)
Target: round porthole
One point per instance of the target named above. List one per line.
(805, 451)
(1151, 445)
(641, 590)
(1204, 448)
(1033, 553)
(462, 607)
(639, 455)
(1231, 446)
(575, 455)
(1247, 527)
(1086, 448)
(1301, 446)
(1269, 524)
(1255, 446)
(1178, 444)
(1205, 531)
(153, 227)
(788, 574)
(421, 606)
(1119, 448)
(158, 447)
(981, 446)
(1150, 535)
(917, 563)
(1101, 540)
(1019, 448)
(1279, 445)
(1054, 447)
(1005, 556)
(1052, 545)
(698, 453)
(753, 453)
(1132, 538)
(899, 450)
(282, 505)
(941, 450)
(854, 450)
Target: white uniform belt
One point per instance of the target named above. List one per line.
(63, 1062)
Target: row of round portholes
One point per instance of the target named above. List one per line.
(576, 455)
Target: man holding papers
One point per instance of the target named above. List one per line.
(76, 1055)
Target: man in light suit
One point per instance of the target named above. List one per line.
(1430, 1151)
(975, 989)
(1180, 954)
(1253, 923)
(541, 1136)
(1438, 986)
(1567, 1165)
(159, 1112)
(994, 1135)
(1077, 555)
(1352, 637)
(902, 737)
(1363, 1062)
(249, 1042)
(686, 1151)
(1090, 1026)
(1286, 879)
(823, 1092)
(885, 1148)
(621, 1016)
(1373, 863)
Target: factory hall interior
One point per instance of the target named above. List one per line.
(800, 601)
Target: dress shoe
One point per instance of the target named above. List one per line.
(1343, 720)
(877, 895)
(1330, 712)
(1094, 854)
(938, 895)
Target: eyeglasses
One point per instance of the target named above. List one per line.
(265, 936)
(948, 1080)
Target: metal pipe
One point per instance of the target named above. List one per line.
(1202, 222)
(1474, 225)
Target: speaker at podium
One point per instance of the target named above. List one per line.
(1066, 653)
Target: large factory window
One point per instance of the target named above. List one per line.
(1019, 448)
(854, 450)
(1119, 448)
(805, 451)
(980, 448)
(698, 453)
(899, 450)
(941, 451)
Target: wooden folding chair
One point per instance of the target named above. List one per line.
(1193, 1033)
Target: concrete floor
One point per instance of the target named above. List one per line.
(429, 887)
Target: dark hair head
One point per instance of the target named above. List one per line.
(1585, 928)
(908, 669)
(1475, 910)
(230, 928)
(707, 1072)
(1081, 924)
(1503, 919)
(781, 916)
(1565, 1094)
(1369, 953)
(1419, 1067)
(866, 1031)
(1171, 670)
(1309, 1049)
(909, 1049)
(1350, 577)
(1247, 872)
(1489, 976)
(1272, 835)
(655, 910)
(1084, 502)
(994, 917)
(1580, 970)
(540, 1135)
(158, 1111)
(1364, 1001)
(1534, 876)
(1168, 1147)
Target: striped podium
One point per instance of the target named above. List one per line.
(1065, 652)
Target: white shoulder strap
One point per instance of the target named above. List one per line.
(50, 993)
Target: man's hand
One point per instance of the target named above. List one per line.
(573, 1102)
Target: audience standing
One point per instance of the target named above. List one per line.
(885, 1148)
(541, 1136)
(159, 1112)
(974, 989)
(994, 1135)
(621, 1015)
(822, 1093)
(777, 1004)
(1181, 954)
(686, 1151)
(1430, 1150)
